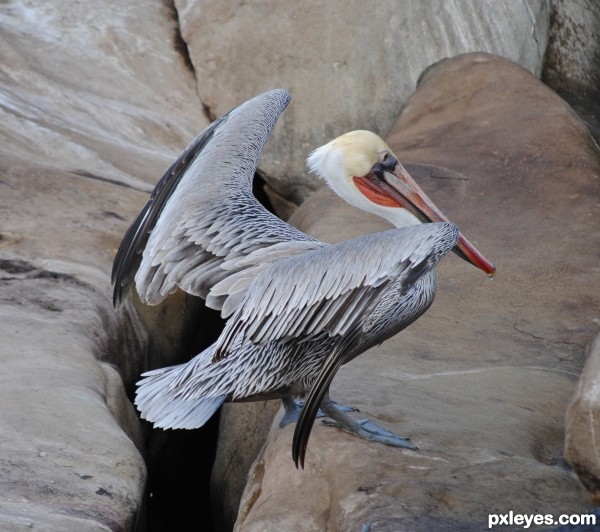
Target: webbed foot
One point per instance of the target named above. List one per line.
(365, 428)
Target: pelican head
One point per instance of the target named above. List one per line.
(361, 168)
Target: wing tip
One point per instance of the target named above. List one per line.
(281, 93)
(120, 293)
(298, 455)
(117, 299)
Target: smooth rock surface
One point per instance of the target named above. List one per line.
(95, 102)
(482, 381)
(98, 91)
(71, 444)
(348, 66)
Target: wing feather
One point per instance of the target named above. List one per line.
(421, 248)
(127, 259)
(202, 217)
(312, 292)
(312, 403)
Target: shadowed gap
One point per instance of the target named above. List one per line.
(180, 461)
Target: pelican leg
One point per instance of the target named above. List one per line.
(293, 409)
(365, 428)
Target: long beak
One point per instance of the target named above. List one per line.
(390, 178)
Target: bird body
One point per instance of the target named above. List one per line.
(282, 354)
(297, 308)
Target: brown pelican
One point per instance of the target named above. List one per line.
(297, 308)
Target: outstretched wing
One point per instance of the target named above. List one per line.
(329, 288)
(202, 218)
(349, 290)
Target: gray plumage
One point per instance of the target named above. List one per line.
(297, 308)
(202, 217)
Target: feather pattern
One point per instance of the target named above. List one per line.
(182, 396)
(202, 217)
(329, 288)
(298, 308)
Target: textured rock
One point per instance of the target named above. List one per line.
(574, 43)
(70, 440)
(84, 120)
(582, 440)
(482, 381)
(82, 93)
(348, 67)
(573, 58)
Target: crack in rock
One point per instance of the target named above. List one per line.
(88, 175)
(516, 328)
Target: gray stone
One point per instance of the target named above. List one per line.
(349, 65)
(573, 54)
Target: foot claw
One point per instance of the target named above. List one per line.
(368, 430)
(364, 428)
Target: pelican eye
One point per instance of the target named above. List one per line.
(387, 161)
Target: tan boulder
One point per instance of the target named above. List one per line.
(482, 381)
(346, 63)
(85, 134)
(243, 430)
(71, 441)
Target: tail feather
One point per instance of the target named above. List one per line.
(164, 404)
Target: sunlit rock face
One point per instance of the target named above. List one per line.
(347, 66)
(95, 102)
